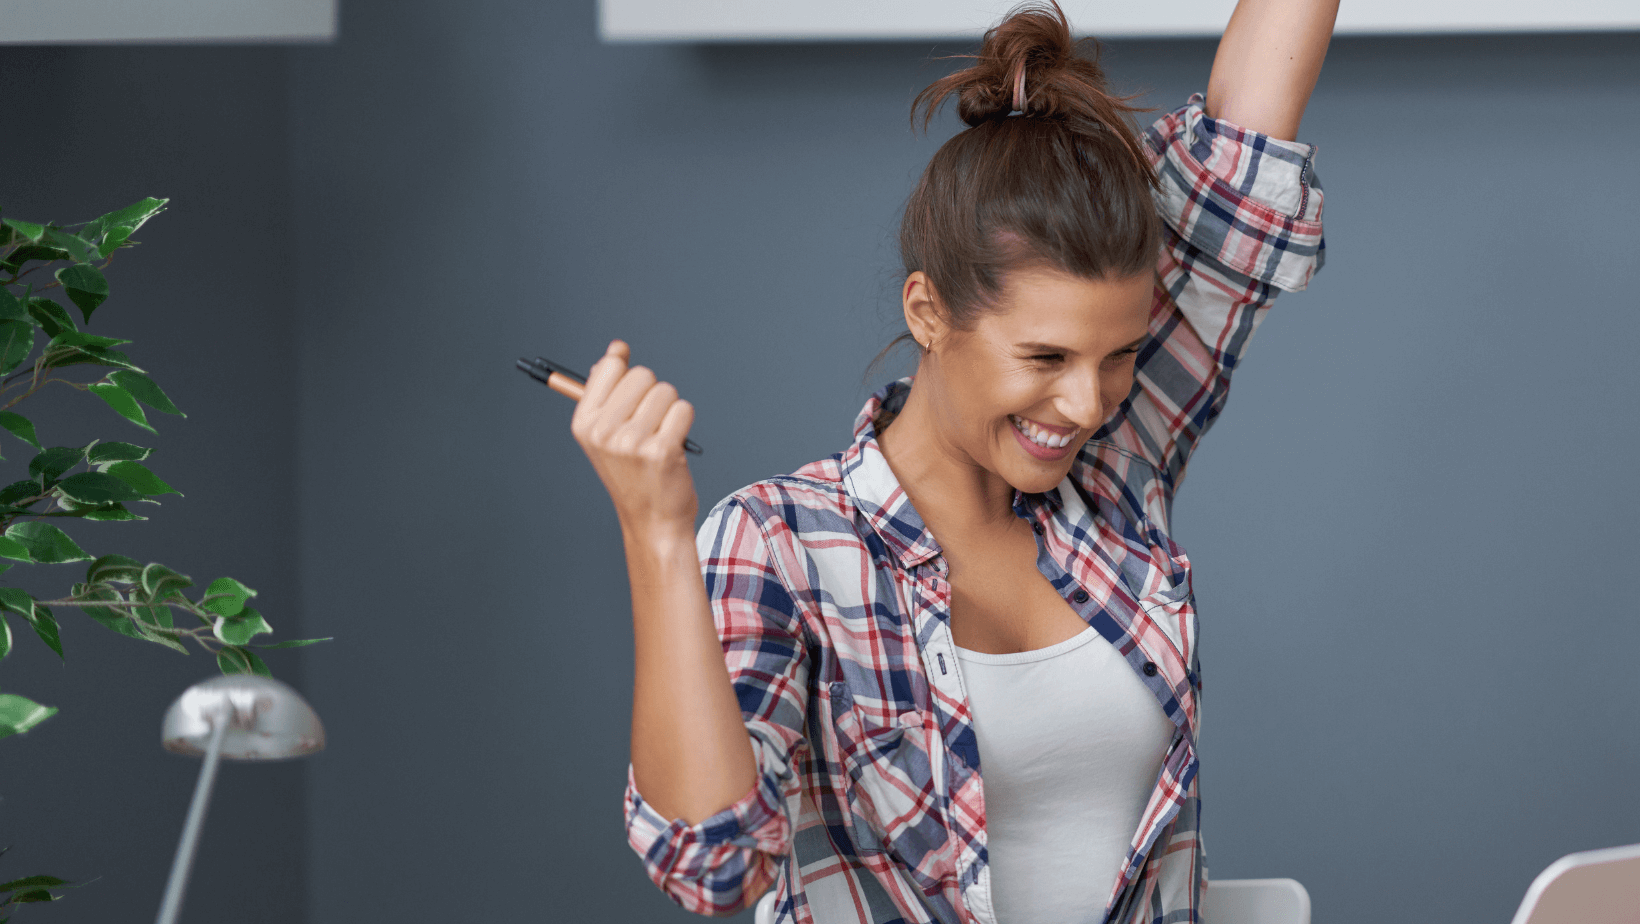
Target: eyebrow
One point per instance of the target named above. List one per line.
(1036, 347)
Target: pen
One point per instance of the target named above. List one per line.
(569, 383)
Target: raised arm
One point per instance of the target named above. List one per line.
(1268, 62)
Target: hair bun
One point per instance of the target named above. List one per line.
(1029, 62)
(1016, 65)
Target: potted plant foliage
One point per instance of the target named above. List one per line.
(41, 265)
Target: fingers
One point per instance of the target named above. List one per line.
(654, 405)
(623, 406)
(674, 426)
(605, 373)
(623, 399)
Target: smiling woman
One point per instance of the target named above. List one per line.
(1039, 375)
(984, 578)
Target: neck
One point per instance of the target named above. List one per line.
(953, 493)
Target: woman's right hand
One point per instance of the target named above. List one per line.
(632, 428)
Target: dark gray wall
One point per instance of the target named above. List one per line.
(206, 298)
(1411, 528)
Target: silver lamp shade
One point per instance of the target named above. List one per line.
(265, 719)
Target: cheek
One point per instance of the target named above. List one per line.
(1114, 388)
(991, 394)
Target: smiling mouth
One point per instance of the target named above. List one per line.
(1040, 437)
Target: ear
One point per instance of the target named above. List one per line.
(924, 315)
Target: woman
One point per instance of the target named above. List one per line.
(818, 676)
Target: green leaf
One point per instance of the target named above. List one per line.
(78, 247)
(143, 389)
(18, 490)
(237, 630)
(34, 895)
(44, 252)
(139, 625)
(32, 882)
(99, 488)
(40, 617)
(104, 453)
(18, 601)
(47, 544)
(297, 642)
(45, 626)
(121, 401)
(136, 213)
(114, 568)
(115, 620)
(18, 715)
(241, 661)
(116, 227)
(5, 647)
(52, 317)
(115, 237)
(72, 507)
(27, 229)
(16, 342)
(155, 615)
(11, 548)
(20, 426)
(114, 513)
(230, 605)
(160, 583)
(10, 307)
(67, 354)
(140, 479)
(108, 616)
(50, 464)
(80, 338)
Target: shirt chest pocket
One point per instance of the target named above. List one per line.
(887, 785)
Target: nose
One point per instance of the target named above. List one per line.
(1080, 401)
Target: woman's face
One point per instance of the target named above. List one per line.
(1021, 392)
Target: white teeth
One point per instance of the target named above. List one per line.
(1040, 437)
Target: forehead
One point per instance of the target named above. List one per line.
(1051, 306)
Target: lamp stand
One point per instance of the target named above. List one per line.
(196, 819)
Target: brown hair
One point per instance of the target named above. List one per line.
(1065, 184)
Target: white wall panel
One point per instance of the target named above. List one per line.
(785, 20)
(80, 21)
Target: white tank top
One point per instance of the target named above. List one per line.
(1070, 744)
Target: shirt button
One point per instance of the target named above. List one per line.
(1036, 528)
(1081, 596)
(1150, 668)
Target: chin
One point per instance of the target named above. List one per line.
(1038, 482)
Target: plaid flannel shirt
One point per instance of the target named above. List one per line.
(832, 601)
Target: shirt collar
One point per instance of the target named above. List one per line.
(877, 493)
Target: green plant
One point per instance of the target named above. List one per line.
(123, 594)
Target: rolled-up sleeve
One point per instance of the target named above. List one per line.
(1242, 221)
(1248, 201)
(720, 865)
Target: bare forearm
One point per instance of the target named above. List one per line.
(691, 754)
(1268, 62)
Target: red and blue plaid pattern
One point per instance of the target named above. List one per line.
(832, 602)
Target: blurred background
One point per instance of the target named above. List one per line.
(1411, 527)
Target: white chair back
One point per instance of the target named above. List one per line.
(1255, 901)
(1591, 886)
(1228, 901)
